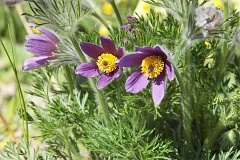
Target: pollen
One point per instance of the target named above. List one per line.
(106, 62)
(152, 66)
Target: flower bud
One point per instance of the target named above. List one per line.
(208, 18)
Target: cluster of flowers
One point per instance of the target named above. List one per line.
(109, 61)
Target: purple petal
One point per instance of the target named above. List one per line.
(149, 50)
(158, 51)
(117, 72)
(127, 27)
(34, 62)
(89, 69)
(91, 50)
(120, 52)
(108, 45)
(39, 45)
(158, 88)
(132, 59)
(105, 79)
(125, 41)
(131, 18)
(169, 70)
(136, 82)
(49, 34)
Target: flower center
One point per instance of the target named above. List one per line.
(152, 66)
(106, 62)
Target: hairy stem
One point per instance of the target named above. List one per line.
(101, 20)
(69, 79)
(92, 82)
(224, 46)
(116, 12)
(185, 110)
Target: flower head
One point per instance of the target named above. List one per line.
(131, 18)
(43, 45)
(208, 18)
(104, 64)
(153, 65)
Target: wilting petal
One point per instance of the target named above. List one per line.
(49, 34)
(158, 88)
(132, 59)
(34, 62)
(169, 70)
(136, 82)
(120, 52)
(159, 52)
(40, 46)
(89, 69)
(91, 50)
(108, 45)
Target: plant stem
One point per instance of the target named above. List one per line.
(8, 128)
(116, 12)
(189, 97)
(12, 62)
(185, 110)
(76, 46)
(101, 20)
(92, 82)
(23, 19)
(224, 47)
(70, 148)
(69, 79)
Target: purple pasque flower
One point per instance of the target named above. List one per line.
(43, 45)
(105, 57)
(153, 67)
(131, 18)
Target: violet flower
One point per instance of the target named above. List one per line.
(131, 18)
(153, 67)
(43, 45)
(105, 57)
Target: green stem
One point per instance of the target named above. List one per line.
(12, 62)
(71, 148)
(69, 79)
(224, 47)
(189, 97)
(185, 110)
(76, 46)
(92, 82)
(101, 20)
(116, 12)
(180, 50)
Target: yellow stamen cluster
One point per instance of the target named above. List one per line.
(106, 62)
(152, 66)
